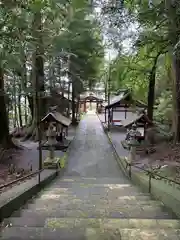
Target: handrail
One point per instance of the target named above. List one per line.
(158, 175)
(19, 179)
(150, 173)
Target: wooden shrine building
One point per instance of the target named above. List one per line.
(123, 104)
(89, 98)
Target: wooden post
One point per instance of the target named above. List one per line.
(125, 112)
(90, 105)
(51, 140)
(80, 105)
(67, 131)
(132, 154)
(84, 106)
(109, 86)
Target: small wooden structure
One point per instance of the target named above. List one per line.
(60, 122)
(57, 128)
(89, 98)
(124, 102)
(141, 120)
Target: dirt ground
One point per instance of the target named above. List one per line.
(26, 158)
(162, 154)
(9, 157)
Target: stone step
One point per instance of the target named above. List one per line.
(81, 205)
(87, 184)
(92, 222)
(62, 197)
(16, 233)
(101, 180)
(59, 200)
(110, 187)
(75, 203)
(147, 212)
(110, 194)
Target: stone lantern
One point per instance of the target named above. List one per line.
(51, 134)
(131, 139)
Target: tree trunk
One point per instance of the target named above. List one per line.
(25, 110)
(73, 102)
(5, 139)
(15, 120)
(151, 89)
(51, 75)
(59, 70)
(37, 77)
(68, 110)
(172, 80)
(73, 79)
(19, 106)
(177, 74)
(174, 30)
(77, 108)
(24, 82)
(105, 90)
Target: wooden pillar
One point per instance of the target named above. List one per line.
(62, 132)
(90, 105)
(125, 112)
(145, 129)
(109, 115)
(84, 106)
(80, 105)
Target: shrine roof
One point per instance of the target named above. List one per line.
(124, 94)
(141, 104)
(58, 117)
(89, 96)
(135, 118)
(117, 99)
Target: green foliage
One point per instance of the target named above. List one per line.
(84, 42)
(154, 36)
(64, 28)
(50, 31)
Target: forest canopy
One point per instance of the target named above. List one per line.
(44, 43)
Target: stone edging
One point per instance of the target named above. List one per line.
(159, 190)
(61, 171)
(114, 149)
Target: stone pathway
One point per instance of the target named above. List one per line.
(93, 200)
(91, 154)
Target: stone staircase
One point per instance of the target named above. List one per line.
(91, 208)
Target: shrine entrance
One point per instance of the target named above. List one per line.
(90, 103)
